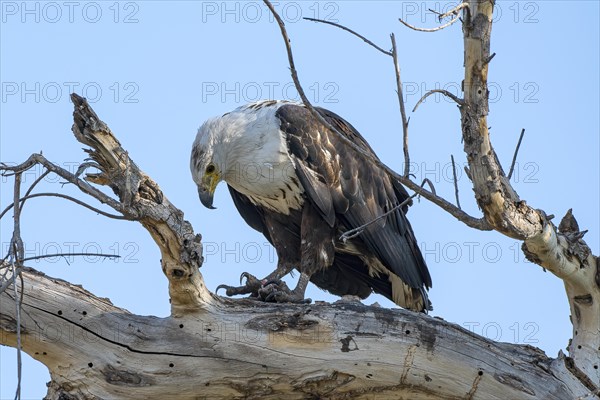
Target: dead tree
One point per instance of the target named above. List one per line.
(211, 347)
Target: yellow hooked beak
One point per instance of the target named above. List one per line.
(206, 190)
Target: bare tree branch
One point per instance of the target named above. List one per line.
(6, 282)
(357, 231)
(17, 273)
(490, 58)
(438, 28)
(459, 214)
(514, 160)
(455, 181)
(140, 199)
(402, 108)
(33, 185)
(430, 184)
(16, 255)
(394, 55)
(440, 17)
(85, 187)
(71, 255)
(387, 53)
(64, 196)
(446, 93)
(16, 245)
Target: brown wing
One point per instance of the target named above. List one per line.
(350, 191)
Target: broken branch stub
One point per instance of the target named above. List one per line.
(142, 200)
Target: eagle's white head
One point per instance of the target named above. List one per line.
(247, 149)
(210, 155)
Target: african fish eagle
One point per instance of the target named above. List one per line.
(302, 187)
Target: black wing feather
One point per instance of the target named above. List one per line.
(316, 190)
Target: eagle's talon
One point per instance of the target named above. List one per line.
(252, 286)
(223, 287)
(232, 290)
(249, 278)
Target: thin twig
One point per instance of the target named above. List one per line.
(402, 108)
(82, 185)
(490, 58)
(33, 185)
(357, 231)
(7, 265)
(453, 11)
(514, 160)
(17, 249)
(455, 181)
(64, 196)
(439, 28)
(16, 245)
(446, 93)
(38, 180)
(387, 53)
(72, 255)
(8, 281)
(17, 271)
(4, 263)
(439, 14)
(86, 165)
(477, 223)
(293, 71)
(426, 180)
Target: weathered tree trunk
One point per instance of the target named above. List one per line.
(212, 347)
(248, 349)
(563, 252)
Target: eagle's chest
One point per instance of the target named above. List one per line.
(271, 183)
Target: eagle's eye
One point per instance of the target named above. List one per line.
(210, 169)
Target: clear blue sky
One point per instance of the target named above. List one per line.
(156, 70)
